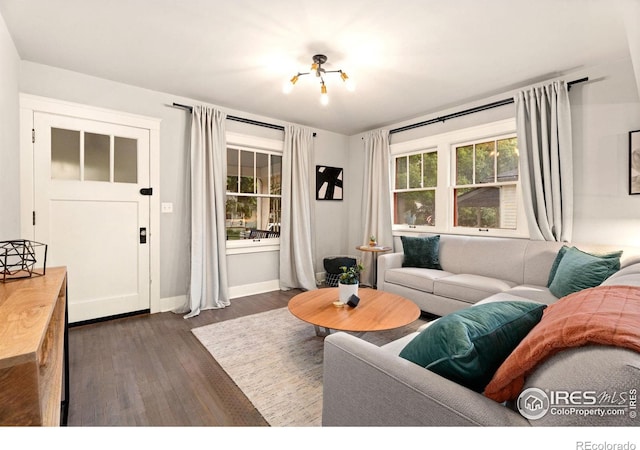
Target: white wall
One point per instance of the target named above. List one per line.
(604, 110)
(329, 148)
(330, 216)
(9, 140)
(603, 113)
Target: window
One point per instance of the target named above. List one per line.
(464, 181)
(486, 178)
(414, 194)
(253, 194)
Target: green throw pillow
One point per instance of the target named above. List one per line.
(554, 266)
(469, 345)
(578, 270)
(421, 251)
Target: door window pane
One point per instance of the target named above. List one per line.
(65, 154)
(97, 157)
(125, 160)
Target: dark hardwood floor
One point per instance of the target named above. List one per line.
(150, 370)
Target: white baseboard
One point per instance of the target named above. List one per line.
(255, 288)
(171, 303)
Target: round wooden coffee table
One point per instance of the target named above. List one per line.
(376, 311)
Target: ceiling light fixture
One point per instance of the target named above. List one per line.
(320, 72)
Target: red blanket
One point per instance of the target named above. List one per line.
(605, 315)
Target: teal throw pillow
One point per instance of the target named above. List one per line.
(578, 270)
(421, 251)
(556, 262)
(469, 345)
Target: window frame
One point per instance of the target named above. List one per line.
(260, 145)
(395, 190)
(445, 144)
(477, 184)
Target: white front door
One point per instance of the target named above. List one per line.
(90, 212)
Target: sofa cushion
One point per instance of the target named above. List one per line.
(501, 258)
(421, 251)
(538, 294)
(469, 345)
(468, 287)
(577, 270)
(414, 278)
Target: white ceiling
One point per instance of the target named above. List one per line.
(407, 57)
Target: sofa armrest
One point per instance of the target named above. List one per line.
(364, 385)
(388, 261)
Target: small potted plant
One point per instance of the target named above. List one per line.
(372, 241)
(348, 281)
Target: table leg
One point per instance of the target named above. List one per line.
(375, 270)
(321, 333)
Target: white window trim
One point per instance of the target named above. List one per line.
(445, 144)
(429, 188)
(267, 145)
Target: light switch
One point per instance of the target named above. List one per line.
(167, 207)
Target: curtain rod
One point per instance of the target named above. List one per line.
(239, 119)
(242, 119)
(476, 109)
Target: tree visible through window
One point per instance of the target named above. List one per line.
(486, 178)
(416, 177)
(253, 194)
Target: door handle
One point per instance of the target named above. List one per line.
(143, 235)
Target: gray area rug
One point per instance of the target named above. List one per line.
(276, 360)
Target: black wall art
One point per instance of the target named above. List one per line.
(328, 183)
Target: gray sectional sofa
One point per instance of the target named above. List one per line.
(474, 268)
(367, 385)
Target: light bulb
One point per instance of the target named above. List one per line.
(350, 85)
(288, 87)
(324, 98)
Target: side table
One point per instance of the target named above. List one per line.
(375, 250)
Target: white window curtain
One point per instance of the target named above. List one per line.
(208, 287)
(376, 207)
(543, 121)
(296, 244)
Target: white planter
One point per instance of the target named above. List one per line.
(346, 291)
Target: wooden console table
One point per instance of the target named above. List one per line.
(34, 362)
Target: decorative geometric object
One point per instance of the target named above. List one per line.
(18, 259)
